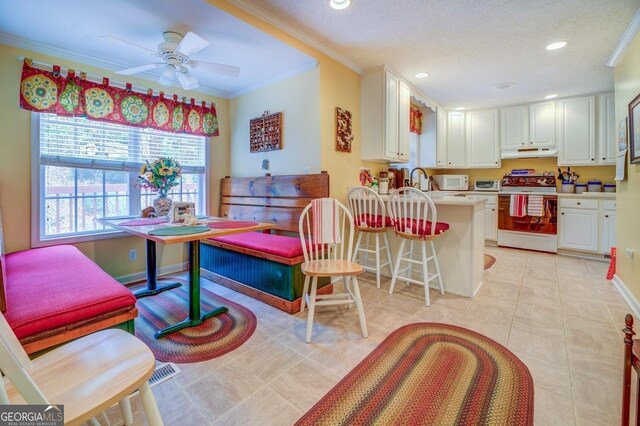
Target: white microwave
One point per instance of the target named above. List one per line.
(452, 182)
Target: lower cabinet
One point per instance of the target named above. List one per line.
(586, 224)
(490, 217)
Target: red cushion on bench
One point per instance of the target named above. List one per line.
(55, 286)
(278, 245)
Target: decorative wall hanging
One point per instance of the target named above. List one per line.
(415, 120)
(344, 136)
(50, 92)
(265, 133)
(634, 130)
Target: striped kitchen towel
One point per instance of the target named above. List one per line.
(518, 205)
(535, 205)
(325, 221)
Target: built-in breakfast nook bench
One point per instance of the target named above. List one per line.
(265, 266)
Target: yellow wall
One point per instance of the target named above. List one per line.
(603, 173)
(627, 83)
(15, 172)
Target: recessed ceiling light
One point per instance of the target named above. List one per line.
(422, 75)
(551, 96)
(556, 45)
(460, 109)
(502, 86)
(340, 4)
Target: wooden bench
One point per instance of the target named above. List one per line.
(52, 295)
(265, 266)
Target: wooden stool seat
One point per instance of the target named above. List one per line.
(331, 267)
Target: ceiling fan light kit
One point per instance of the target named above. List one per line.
(339, 4)
(176, 51)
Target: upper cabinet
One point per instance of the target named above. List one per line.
(483, 144)
(607, 141)
(515, 127)
(456, 146)
(542, 125)
(385, 104)
(577, 131)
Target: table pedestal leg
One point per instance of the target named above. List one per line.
(152, 278)
(195, 316)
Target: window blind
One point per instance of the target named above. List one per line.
(78, 142)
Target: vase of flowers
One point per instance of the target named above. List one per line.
(160, 176)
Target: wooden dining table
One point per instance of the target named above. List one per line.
(196, 317)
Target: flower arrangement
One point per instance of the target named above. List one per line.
(160, 175)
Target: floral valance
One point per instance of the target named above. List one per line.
(415, 120)
(50, 92)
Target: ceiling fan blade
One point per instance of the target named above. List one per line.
(127, 44)
(187, 81)
(136, 70)
(191, 43)
(228, 70)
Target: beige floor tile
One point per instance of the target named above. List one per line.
(587, 415)
(505, 274)
(268, 360)
(505, 292)
(545, 348)
(591, 390)
(490, 313)
(541, 314)
(529, 281)
(405, 304)
(548, 375)
(594, 343)
(265, 407)
(551, 409)
(594, 310)
(545, 274)
(497, 332)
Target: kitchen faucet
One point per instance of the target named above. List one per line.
(424, 172)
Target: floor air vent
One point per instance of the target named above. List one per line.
(163, 372)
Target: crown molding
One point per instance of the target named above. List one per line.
(46, 49)
(273, 80)
(271, 19)
(625, 40)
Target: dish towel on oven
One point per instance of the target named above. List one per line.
(535, 205)
(518, 205)
(325, 221)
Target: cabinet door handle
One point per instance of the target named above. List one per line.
(493, 210)
(606, 215)
(449, 162)
(593, 159)
(562, 213)
(603, 158)
(578, 203)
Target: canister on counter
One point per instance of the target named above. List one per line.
(610, 187)
(594, 186)
(581, 187)
(567, 187)
(383, 183)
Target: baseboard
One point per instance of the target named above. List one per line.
(142, 276)
(627, 295)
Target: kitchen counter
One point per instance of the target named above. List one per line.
(590, 195)
(451, 199)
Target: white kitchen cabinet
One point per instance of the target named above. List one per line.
(490, 217)
(515, 127)
(576, 131)
(481, 139)
(456, 145)
(385, 101)
(578, 224)
(607, 140)
(441, 138)
(542, 125)
(607, 225)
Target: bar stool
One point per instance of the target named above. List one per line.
(370, 218)
(414, 215)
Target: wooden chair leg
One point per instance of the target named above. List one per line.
(125, 410)
(425, 274)
(396, 269)
(312, 307)
(360, 307)
(305, 290)
(150, 406)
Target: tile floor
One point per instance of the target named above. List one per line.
(558, 314)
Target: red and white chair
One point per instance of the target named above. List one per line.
(415, 220)
(371, 220)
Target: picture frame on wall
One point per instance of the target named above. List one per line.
(344, 131)
(634, 130)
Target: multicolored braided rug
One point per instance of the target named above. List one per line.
(431, 374)
(213, 338)
(488, 261)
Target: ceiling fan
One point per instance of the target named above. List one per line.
(176, 51)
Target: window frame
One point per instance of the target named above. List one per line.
(37, 184)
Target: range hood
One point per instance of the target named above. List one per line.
(531, 153)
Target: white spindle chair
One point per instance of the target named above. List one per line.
(87, 375)
(371, 220)
(414, 215)
(322, 259)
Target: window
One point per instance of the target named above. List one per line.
(84, 170)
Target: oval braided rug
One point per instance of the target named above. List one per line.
(214, 337)
(431, 374)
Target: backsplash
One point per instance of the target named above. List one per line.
(603, 173)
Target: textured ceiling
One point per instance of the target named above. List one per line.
(70, 29)
(468, 46)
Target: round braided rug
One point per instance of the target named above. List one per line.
(431, 374)
(214, 337)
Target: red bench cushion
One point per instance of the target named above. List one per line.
(278, 245)
(56, 286)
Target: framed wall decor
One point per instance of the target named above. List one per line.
(634, 130)
(265, 132)
(344, 131)
(623, 131)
